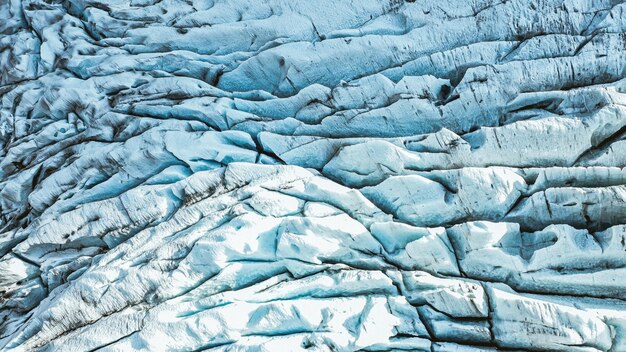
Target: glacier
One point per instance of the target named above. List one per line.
(374, 175)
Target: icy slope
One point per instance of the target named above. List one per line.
(282, 175)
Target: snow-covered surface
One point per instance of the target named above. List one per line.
(280, 175)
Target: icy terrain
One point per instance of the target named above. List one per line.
(312, 175)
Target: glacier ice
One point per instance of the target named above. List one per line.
(381, 175)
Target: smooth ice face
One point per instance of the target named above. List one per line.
(233, 175)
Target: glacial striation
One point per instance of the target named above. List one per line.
(280, 175)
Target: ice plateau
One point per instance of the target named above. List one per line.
(296, 175)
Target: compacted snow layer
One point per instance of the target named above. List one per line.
(234, 175)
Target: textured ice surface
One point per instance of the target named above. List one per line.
(295, 175)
